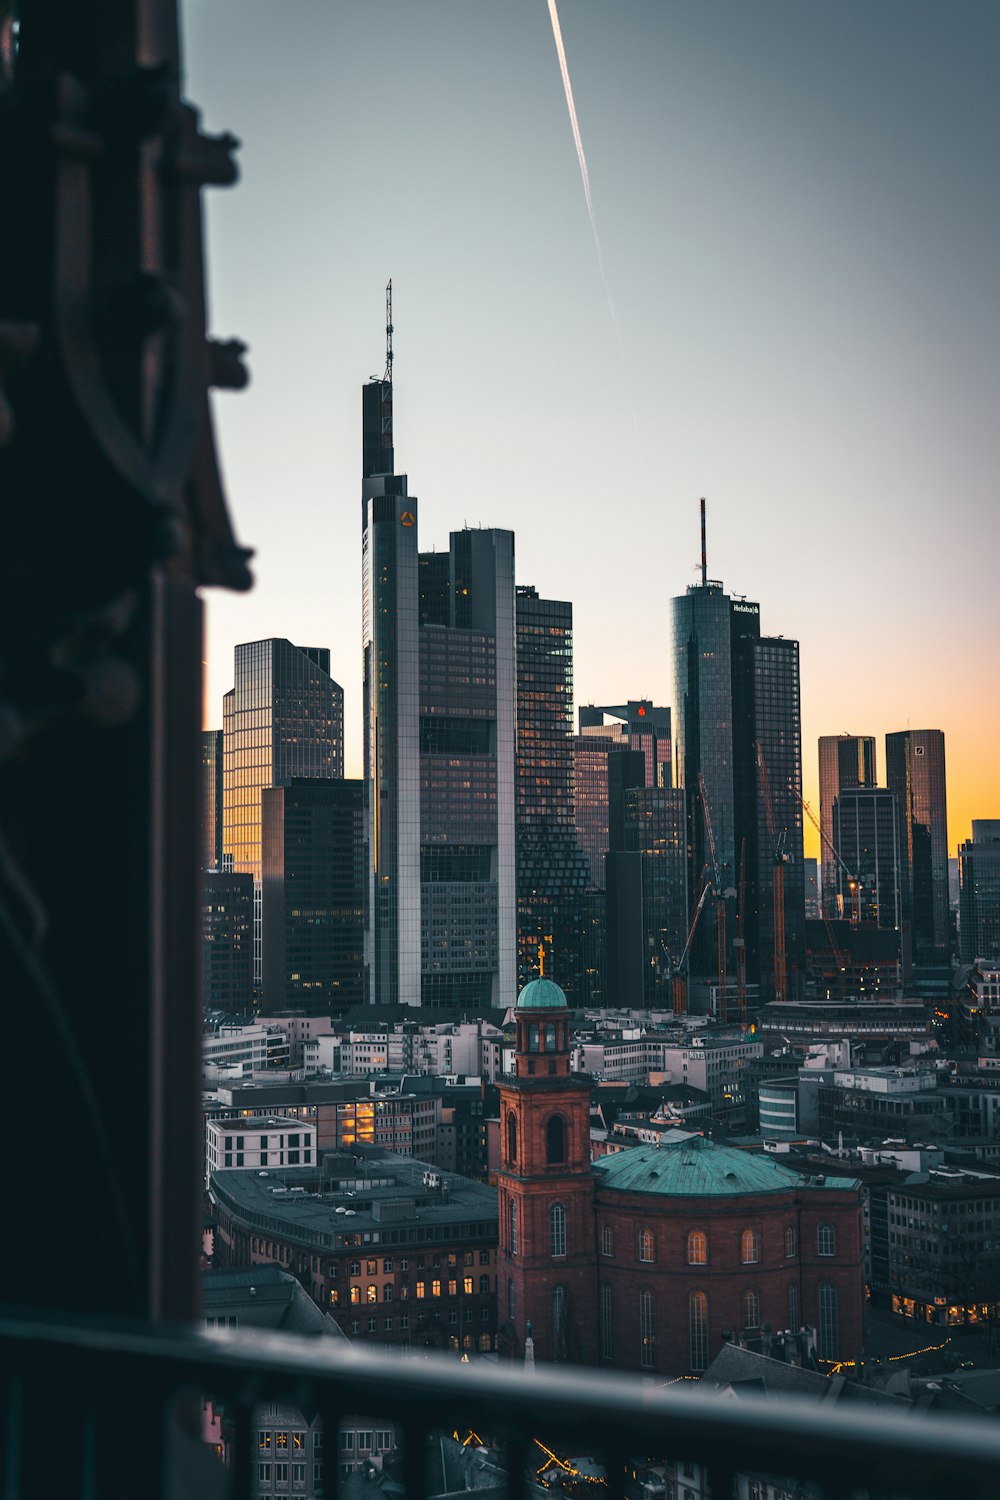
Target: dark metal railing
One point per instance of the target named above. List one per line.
(93, 1412)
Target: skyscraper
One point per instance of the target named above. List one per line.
(227, 941)
(637, 725)
(865, 830)
(553, 872)
(845, 760)
(736, 705)
(915, 771)
(283, 717)
(211, 798)
(590, 764)
(439, 716)
(314, 878)
(979, 900)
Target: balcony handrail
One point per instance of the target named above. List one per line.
(614, 1416)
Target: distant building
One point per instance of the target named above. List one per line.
(283, 717)
(211, 798)
(636, 725)
(553, 871)
(812, 889)
(866, 832)
(314, 887)
(227, 901)
(915, 771)
(845, 761)
(979, 901)
(590, 760)
(243, 1050)
(271, 1143)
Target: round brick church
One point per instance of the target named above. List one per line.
(649, 1258)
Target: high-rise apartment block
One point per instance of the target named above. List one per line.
(439, 716)
(737, 744)
(845, 761)
(915, 772)
(979, 900)
(314, 879)
(553, 872)
(283, 717)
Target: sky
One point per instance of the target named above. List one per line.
(799, 218)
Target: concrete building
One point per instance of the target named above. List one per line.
(273, 1143)
(395, 1251)
(245, 1050)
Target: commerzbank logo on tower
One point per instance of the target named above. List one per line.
(407, 518)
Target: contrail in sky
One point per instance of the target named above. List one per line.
(585, 175)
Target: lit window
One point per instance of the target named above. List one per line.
(371, 1295)
(749, 1247)
(697, 1248)
(647, 1245)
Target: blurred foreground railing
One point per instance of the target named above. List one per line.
(93, 1412)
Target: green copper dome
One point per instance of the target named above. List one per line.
(542, 994)
(693, 1167)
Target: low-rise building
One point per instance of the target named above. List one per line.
(243, 1050)
(265, 1143)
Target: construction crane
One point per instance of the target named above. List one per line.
(854, 883)
(838, 956)
(679, 981)
(720, 902)
(739, 942)
(778, 859)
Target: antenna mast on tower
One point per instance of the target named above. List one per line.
(388, 331)
(704, 556)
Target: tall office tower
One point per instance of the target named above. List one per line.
(845, 760)
(915, 771)
(553, 872)
(590, 763)
(283, 717)
(655, 833)
(211, 798)
(439, 717)
(777, 730)
(635, 725)
(865, 830)
(734, 690)
(623, 979)
(227, 941)
(979, 898)
(315, 882)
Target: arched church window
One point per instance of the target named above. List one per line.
(555, 1139)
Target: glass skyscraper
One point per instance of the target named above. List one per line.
(915, 771)
(845, 760)
(979, 898)
(553, 872)
(866, 832)
(211, 798)
(439, 716)
(283, 717)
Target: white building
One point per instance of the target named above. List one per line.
(263, 1143)
(244, 1050)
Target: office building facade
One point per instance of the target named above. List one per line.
(227, 941)
(865, 829)
(979, 898)
(211, 798)
(915, 772)
(439, 716)
(845, 761)
(553, 872)
(282, 718)
(314, 886)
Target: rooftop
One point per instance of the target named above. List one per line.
(691, 1166)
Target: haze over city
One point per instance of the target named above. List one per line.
(800, 235)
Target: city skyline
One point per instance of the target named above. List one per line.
(805, 281)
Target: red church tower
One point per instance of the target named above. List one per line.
(546, 1261)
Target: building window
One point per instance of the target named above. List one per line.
(264, 1442)
(793, 1308)
(607, 1240)
(436, 1287)
(750, 1247)
(647, 1245)
(550, 1037)
(751, 1309)
(607, 1322)
(555, 1139)
(511, 1300)
(559, 1324)
(697, 1248)
(468, 1285)
(512, 1225)
(387, 1292)
(533, 1042)
(647, 1333)
(557, 1229)
(371, 1295)
(355, 1295)
(511, 1136)
(698, 1330)
(420, 1290)
(484, 1283)
(791, 1241)
(826, 1240)
(829, 1339)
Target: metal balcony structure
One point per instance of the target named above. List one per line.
(120, 1406)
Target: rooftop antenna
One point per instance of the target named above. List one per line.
(388, 332)
(704, 560)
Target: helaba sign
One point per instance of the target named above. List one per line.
(747, 609)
